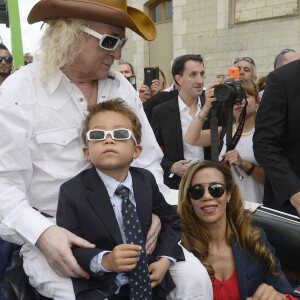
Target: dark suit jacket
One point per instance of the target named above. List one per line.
(276, 141)
(166, 125)
(159, 98)
(84, 208)
(252, 272)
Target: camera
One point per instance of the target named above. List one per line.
(230, 92)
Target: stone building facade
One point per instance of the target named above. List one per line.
(220, 30)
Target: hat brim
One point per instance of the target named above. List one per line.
(136, 20)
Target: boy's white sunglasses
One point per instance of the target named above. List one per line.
(106, 41)
(116, 134)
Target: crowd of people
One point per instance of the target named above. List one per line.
(88, 158)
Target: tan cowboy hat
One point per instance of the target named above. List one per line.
(113, 12)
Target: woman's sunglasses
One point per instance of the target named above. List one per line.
(106, 41)
(216, 189)
(7, 59)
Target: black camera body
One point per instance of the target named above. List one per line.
(230, 92)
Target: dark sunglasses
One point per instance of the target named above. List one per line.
(106, 41)
(245, 58)
(216, 189)
(7, 59)
(116, 134)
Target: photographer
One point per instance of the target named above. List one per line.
(249, 175)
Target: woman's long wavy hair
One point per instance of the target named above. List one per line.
(63, 39)
(197, 239)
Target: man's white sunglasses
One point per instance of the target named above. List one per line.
(116, 134)
(106, 41)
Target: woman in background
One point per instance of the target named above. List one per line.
(249, 174)
(158, 85)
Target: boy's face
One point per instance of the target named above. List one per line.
(111, 156)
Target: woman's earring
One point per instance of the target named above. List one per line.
(228, 201)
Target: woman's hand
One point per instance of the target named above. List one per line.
(266, 292)
(233, 157)
(144, 92)
(155, 87)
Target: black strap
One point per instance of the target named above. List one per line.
(239, 130)
(214, 150)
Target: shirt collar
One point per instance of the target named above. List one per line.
(183, 106)
(111, 184)
(54, 82)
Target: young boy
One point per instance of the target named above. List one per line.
(92, 206)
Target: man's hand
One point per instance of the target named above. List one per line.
(158, 270)
(123, 258)
(266, 292)
(55, 243)
(153, 234)
(295, 200)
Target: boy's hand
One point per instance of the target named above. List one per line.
(123, 258)
(158, 270)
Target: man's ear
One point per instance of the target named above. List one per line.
(86, 153)
(178, 79)
(137, 151)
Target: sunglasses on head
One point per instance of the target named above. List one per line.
(216, 189)
(7, 59)
(282, 52)
(245, 58)
(119, 134)
(106, 41)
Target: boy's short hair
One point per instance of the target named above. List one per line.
(116, 105)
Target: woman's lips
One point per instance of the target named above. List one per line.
(209, 208)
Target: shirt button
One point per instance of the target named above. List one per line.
(80, 99)
(63, 141)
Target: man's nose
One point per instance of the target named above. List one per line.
(117, 53)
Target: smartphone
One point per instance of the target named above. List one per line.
(150, 73)
(234, 72)
(132, 80)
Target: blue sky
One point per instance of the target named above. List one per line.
(31, 34)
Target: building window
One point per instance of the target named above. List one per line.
(161, 11)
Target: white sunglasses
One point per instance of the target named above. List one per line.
(116, 134)
(106, 41)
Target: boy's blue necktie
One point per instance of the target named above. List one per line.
(139, 278)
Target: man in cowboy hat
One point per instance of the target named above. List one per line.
(42, 108)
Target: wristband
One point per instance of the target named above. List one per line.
(250, 171)
(203, 119)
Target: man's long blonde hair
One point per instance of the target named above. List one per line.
(63, 39)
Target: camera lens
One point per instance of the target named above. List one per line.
(223, 92)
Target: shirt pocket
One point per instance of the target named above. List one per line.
(61, 152)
